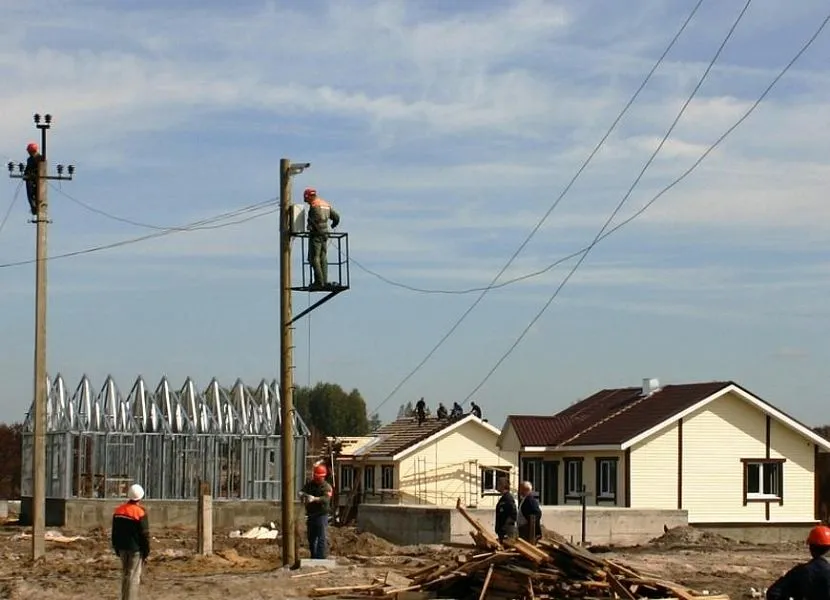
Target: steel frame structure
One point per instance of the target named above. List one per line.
(98, 444)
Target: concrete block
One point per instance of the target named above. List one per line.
(327, 563)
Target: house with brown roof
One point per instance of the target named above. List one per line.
(713, 449)
(434, 462)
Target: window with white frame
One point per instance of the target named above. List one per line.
(346, 477)
(387, 477)
(489, 478)
(369, 478)
(573, 477)
(763, 479)
(606, 479)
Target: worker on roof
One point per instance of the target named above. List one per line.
(810, 580)
(316, 495)
(131, 540)
(320, 213)
(421, 411)
(475, 409)
(30, 176)
(441, 413)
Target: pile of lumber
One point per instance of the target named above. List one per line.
(520, 570)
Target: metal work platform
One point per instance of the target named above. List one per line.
(338, 268)
(98, 444)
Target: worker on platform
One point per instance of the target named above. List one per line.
(320, 213)
(810, 580)
(30, 176)
(316, 495)
(131, 540)
(506, 512)
(529, 518)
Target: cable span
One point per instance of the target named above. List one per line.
(549, 211)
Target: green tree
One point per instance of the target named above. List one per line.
(374, 423)
(11, 437)
(331, 411)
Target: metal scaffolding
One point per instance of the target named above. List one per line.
(97, 445)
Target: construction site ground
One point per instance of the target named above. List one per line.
(243, 568)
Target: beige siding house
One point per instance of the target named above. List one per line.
(713, 449)
(435, 462)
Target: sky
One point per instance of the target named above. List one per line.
(442, 132)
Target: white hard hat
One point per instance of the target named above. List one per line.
(136, 492)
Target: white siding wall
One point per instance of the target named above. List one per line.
(654, 471)
(715, 440)
(450, 468)
(799, 479)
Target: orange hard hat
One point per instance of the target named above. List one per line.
(320, 471)
(309, 193)
(819, 536)
(32, 147)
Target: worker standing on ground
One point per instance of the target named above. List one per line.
(529, 518)
(810, 580)
(30, 176)
(316, 495)
(131, 540)
(320, 213)
(505, 511)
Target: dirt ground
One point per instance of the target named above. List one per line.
(249, 568)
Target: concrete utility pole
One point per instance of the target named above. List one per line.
(41, 385)
(289, 492)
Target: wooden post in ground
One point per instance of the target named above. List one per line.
(204, 523)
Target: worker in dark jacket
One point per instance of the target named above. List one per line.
(810, 580)
(30, 176)
(316, 495)
(320, 213)
(131, 540)
(505, 511)
(530, 514)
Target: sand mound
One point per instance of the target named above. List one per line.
(344, 541)
(691, 537)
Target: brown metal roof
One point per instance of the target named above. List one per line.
(611, 416)
(403, 433)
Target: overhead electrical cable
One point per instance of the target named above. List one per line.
(553, 206)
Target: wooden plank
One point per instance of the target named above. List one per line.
(619, 588)
(486, 583)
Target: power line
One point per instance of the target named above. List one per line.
(113, 217)
(209, 223)
(616, 210)
(11, 206)
(549, 211)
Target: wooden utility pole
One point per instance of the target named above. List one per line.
(41, 385)
(288, 461)
(286, 364)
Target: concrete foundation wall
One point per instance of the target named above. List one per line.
(89, 513)
(760, 533)
(439, 525)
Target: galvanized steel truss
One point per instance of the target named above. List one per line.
(167, 440)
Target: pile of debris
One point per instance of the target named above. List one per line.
(520, 570)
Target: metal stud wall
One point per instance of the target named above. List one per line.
(100, 443)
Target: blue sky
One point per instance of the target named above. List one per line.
(442, 136)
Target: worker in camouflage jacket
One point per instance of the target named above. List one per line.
(320, 213)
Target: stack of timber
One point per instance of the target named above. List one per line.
(519, 570)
